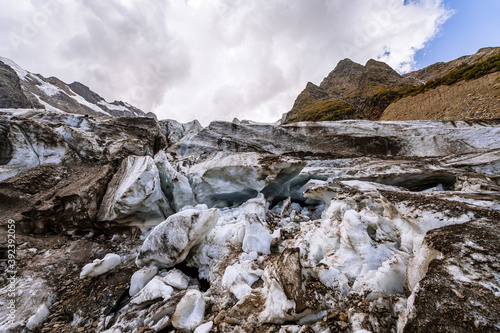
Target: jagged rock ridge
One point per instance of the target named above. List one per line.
(350, 91)
(33, 91)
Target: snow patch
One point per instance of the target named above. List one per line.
(101, 266)
(140, 278)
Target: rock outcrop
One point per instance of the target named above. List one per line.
(11, 93)
(350, 91)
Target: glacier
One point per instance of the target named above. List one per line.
(347, 226)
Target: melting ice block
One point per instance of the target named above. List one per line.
(169, 242)
(141, 278)
(190, 311)
(101, 266)
(134, 195)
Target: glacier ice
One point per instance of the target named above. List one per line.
(134, 196)
(140, 278)
(170, 241)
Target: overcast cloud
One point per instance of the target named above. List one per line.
(210, 59)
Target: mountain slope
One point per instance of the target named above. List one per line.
(465, 88)
(28, 90)
(469, 91)
(473, 99)
(350, 91)
(440, 69)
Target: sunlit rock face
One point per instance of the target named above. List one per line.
(349, 226)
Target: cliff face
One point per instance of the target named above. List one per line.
(465, 88)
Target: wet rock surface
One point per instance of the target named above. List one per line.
(241, 227)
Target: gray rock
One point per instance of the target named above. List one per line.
(11, 93)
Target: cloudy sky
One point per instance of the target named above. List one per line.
(221, 59)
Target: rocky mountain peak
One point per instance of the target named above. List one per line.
(85, 92)
(349, 92)
(22, 89)
(354, 91)
(379, 69)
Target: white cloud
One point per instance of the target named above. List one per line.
(211, 59)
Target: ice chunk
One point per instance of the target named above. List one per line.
(35, 320)
(101, 266)
(287, 207)
(332, 278)
(170, 242)
(154, 289)
(238, 279)
(190, 311)
(176, 279)
(141, 278)
(418, 265)
(257, 237)
(134, 196)
(205, 328)
(174, 184)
